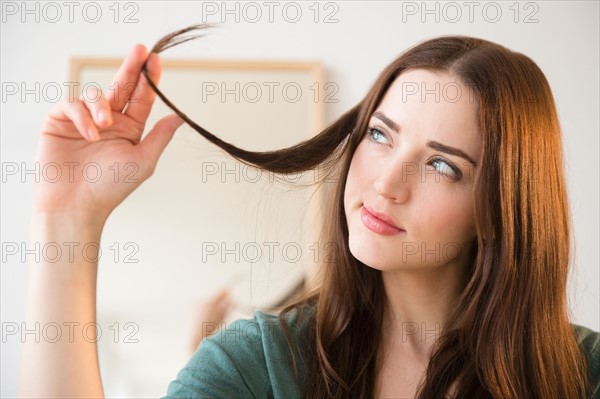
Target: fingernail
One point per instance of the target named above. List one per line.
(91, 135)
(179, 121)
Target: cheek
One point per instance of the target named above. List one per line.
(446, 214)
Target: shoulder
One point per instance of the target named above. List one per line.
(589, 342)
(249, 358)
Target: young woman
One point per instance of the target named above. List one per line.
(451, 233)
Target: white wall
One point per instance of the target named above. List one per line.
(366, 36)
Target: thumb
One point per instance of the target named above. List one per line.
(155, 142)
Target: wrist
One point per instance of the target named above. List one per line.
(72, 222)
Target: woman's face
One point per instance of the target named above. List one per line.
(416, 167)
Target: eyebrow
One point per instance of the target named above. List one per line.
(431, 144)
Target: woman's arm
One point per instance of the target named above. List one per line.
(69, 214)
(63, 293)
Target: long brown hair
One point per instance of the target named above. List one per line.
(510, 334)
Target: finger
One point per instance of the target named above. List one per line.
(125, 82)
(98, 106)
(218, 299)
(140, 105)
(78, 114)
(153, 145)
(223, 293)
(224, 304)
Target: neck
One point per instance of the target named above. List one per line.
(418, 305)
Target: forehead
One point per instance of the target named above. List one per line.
(434, 105)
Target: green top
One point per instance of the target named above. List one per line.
(251, 359)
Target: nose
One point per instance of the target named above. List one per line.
(394, 179)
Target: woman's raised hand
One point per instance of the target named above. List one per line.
(93, 157)
(94, 143)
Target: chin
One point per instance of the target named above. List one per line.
(365, 251)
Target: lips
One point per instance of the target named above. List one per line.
(377, 225)
(382, 216)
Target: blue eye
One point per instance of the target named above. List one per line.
(443, 166)
(447, 168)
(372, 133)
